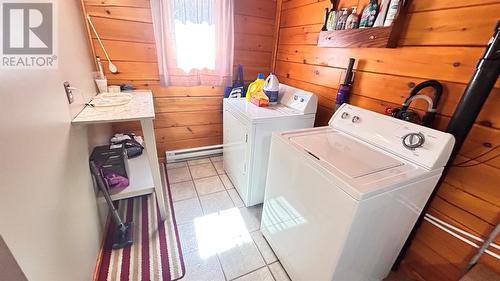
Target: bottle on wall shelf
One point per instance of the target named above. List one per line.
(353, 19)
(342, 19)
(326, 20)
(331, 18)
(384, 6)
(392, 12)
(369, 14)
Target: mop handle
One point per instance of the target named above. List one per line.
(98, 38)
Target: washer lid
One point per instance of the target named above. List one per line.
(347, 155)
(254, 112)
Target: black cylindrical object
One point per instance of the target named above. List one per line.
(476, 93)
(471, 103)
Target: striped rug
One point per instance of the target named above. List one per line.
(155, 254)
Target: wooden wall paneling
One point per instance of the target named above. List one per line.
(253, 42)
(123, 30)
(195, 142)
(126, 51)
(256, 8)
(430, 5)
(254, 33)
(200, 91)
(119, 3)
(437, 44)
(122, 13)
(451, 26)
(180, 104)
(253, 25)
(277, 20)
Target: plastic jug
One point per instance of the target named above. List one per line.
(271, 88)
(255, 87)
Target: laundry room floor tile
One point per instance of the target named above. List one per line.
(216, 159)
(262, 274)
(187, 210)
(208, 185)
(219, 167)
(178, 175)
(202, 170)
(227, 182)
(241, 259)
(176, 165)
(215, 202)
(219, 236)
(183, 190)
(236, 198)
(264, 248)
(200, 267)
(278, 272)
(199, 161)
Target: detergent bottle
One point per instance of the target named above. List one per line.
(255, 87)
(271, 88)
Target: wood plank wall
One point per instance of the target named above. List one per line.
(254, 36)
(186, 117)
(442, 40)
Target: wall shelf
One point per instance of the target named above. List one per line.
(371, 37)
(374, 37)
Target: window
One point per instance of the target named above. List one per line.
(194, 40)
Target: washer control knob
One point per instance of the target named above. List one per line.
(301, 99)
(356, 119)
(413, 140)
(344, 115)
(295, 97)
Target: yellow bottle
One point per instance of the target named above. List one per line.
(255, 87)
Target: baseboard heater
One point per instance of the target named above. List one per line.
(192, 153)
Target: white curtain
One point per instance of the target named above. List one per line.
(194, 41)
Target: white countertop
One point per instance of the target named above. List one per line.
(140, 107)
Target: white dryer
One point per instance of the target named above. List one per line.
(341, 200)
(247, 136)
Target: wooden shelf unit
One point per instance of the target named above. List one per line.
(371, 37)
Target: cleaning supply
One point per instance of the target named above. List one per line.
(353, 19)
(384, 6)
(369, 14)
(255, 87)
(260, 99)
(345, 88)
(327, 13)
(271, 88)
(122, 234)
(342, 19)
(392, 12)
(99, 67)
(332, 16)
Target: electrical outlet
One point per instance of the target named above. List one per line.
(69, 94)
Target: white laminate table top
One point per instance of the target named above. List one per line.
(140, 107)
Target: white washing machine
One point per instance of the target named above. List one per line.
(341, 200)
(247, 136)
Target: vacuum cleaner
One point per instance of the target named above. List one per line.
(122, 235)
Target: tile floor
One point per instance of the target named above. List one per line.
(220, 237)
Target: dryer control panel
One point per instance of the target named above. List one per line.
(421, 145)
(298, 99)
